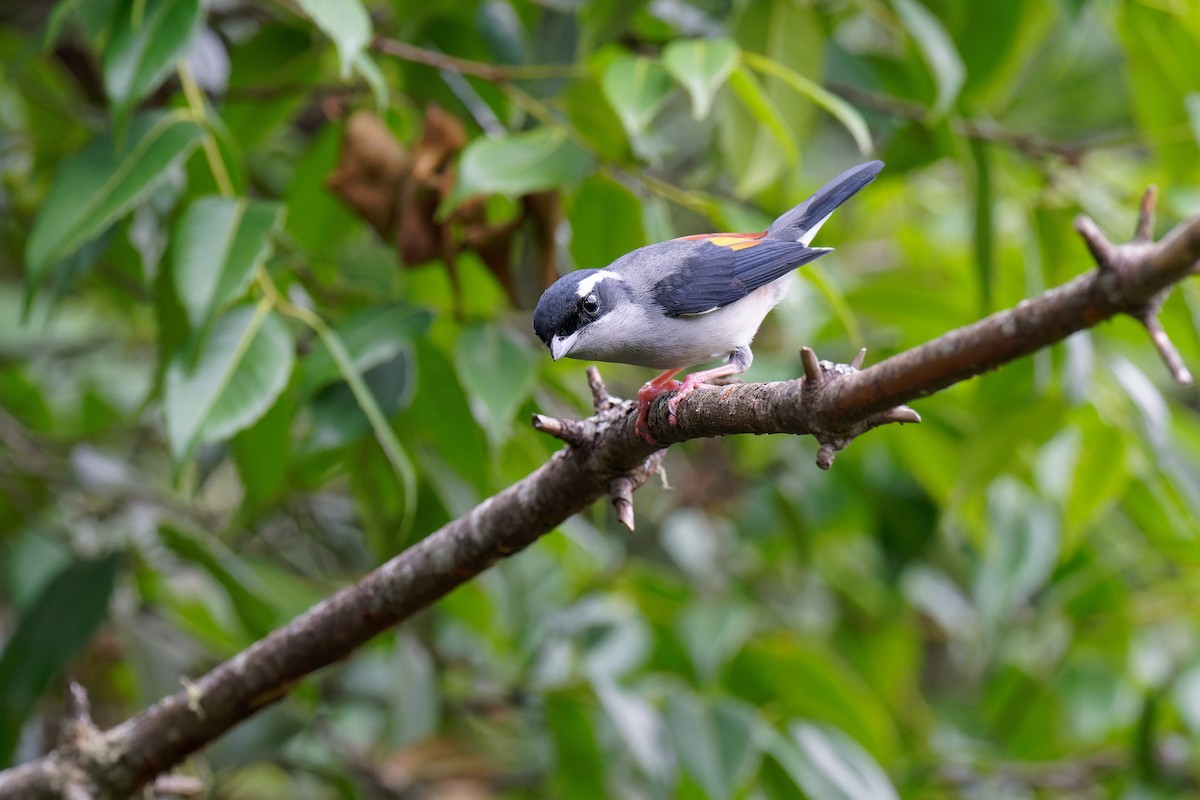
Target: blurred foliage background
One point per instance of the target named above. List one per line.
(266, 272)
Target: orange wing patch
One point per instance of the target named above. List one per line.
(734, 241)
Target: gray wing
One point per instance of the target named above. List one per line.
(722, 269)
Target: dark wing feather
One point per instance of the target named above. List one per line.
(793, 224)
(716, 275)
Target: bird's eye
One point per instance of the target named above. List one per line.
(591, 304)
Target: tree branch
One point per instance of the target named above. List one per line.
(604, 456)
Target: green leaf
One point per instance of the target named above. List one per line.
(48, 637)
(498, 374)
(838, 108)
(606, 222)
(639, 726)
(757, 157)
(1191, 103)
(217, 243)
(245, 590)
(1099, 476)
(396, 455)
(371, 337)
(760, 106)
(591, 115)
(240, 370)
(826, 764)
(1022, 549)
(712, 632)
(579, 762)
(273, 56)
(92, 16)
(836, 299)
(985, 233)
(1159, 45)
(263, 453)
(147, 41)
(101, 183)
(636, 87)
(337, 416)
(316, 220)
(937, 50)
(439, 419)
(754, 160)
(701, 66)
(997, 41)
(369, 71)
(519, 163)
(715, 744)
(820, 685)
(346, 22)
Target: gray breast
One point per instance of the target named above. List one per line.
(643, 336)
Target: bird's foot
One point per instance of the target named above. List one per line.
(687, 387)
(645, 397)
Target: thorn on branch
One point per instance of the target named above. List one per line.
(816, 373)
(79, 707)
(80, 740)
(830, 445)
(568, 430)
(621, 487)
(901, 415)
(621, 491)
(1145, 224)
(79, 733)
(601, 399)
(1166, 348)
(1103, 251)
(828, 451)
(814, 376)
(1107, 259)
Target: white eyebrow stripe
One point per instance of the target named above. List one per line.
(587, 284)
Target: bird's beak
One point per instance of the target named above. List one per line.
(561, 345)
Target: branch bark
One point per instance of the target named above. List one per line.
(604, 456)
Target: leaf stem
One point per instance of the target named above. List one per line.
(199, 109)
(396, 456)
(838, 108)
(476, 69)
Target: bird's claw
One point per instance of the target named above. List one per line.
(685, 388)
(646, 395)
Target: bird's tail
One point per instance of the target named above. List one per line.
(802, 222)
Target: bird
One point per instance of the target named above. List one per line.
(687, 301)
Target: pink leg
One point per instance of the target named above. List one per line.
(650, 390)
(695, 379)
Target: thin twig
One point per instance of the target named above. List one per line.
(477, 69)
(1145, 224)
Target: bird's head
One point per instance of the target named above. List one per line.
(575, 314)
